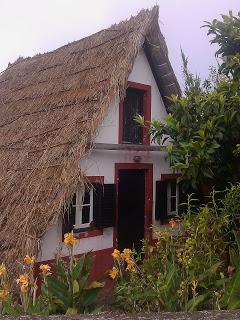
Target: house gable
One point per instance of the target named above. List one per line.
(50, 108)
(108, 131)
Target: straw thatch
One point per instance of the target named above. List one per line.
(50, 107)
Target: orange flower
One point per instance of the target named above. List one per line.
(70, 240)
(23, 279)
(116, 254)
(114, 273)
(2, 269)
(172, 223)
(4, 294)
(126, 254)
(28, 260)
(194, 286)
(45, 268)
(23, 282)
(23, 288)
(131, 266)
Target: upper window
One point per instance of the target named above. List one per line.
(136, 102)
(132, 106)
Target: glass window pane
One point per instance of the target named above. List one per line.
(86, 199)
(173, 188)
(133, 105)
(86, 214)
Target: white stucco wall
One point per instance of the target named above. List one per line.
(142, 73)
(102, 163)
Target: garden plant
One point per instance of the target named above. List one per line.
(63, 287)
(192, 265)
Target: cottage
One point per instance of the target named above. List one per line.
(67, 135)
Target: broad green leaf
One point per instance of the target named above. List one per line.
(89, 263)
(212, 270)
(75, 287)
(89, 296)
(82, 282)
(60, 269)
(71, 312)
(59, 290)
(77, 269)
(232, 292)
(234, 258)
(95, 284)
(194, 302)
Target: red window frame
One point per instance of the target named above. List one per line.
(95, 179)
(146, 111)
(169, 176)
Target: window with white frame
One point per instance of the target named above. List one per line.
(84, 208)
(92, 207)
(172, 197)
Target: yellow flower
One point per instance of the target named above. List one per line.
(4, 294)
(131, 266)
(69, 239)
(24, 288)
(116, 254)
(126, 254)
(23, 281)
(28, 260)
(114, 273)
(2, 269)
(45, 268)
(172, 223)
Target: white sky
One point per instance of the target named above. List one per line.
(28, 27)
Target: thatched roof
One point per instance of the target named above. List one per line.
(50, 107)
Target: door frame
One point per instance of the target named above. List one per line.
(148, 197)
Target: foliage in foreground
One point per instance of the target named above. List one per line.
(194, 264)
(66, 290)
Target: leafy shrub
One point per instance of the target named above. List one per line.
(68, 290)
(188, 268)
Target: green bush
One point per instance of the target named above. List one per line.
(193, 264)
(68, 290)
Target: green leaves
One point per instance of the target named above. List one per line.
(78, 267)
(232, 293)
(202, 131)
(60, 290)
(203, 127)
(70, 290)
(226, 34)
(195, 302)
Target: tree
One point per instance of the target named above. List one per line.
(226, 34)
(202, 128)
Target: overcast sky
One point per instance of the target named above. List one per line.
(28, 27)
